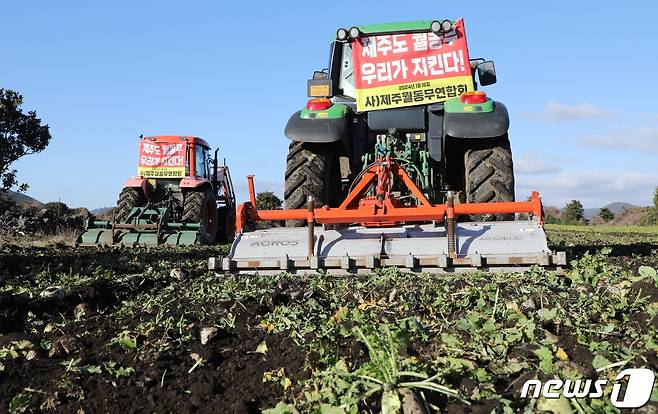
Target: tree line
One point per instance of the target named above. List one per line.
(574, 213)
(22, 133)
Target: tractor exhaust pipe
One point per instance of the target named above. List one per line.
(215, 162)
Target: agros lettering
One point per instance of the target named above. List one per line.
(272, 243)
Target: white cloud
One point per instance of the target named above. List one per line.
(532, 164)
(643, 139)
(558, 112)
(594, 188)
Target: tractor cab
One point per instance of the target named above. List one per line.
(173, 157)
(181, 195)
(338, 81)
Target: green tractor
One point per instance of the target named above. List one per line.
(397, 160)
(451, 137)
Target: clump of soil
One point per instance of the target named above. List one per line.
(49, 219)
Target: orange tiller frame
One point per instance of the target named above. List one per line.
(381, 210)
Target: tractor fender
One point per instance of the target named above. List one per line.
(193, 182)
(477, 124)
(316, 130)
(138, 182)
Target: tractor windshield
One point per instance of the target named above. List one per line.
(201, 158)
(346, 79)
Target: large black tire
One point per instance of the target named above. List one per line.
(311, 170)
(226, 225)
(128, 199)
(201, 207)
(489, 174)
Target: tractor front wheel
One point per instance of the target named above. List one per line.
(128, 199)
(489, 174)
(201, 207)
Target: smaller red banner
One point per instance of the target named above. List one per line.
(162, 159)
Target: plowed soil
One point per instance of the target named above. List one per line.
(87, 330)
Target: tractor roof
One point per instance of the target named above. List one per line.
(413, 26)
(178, 138)
(395, 27)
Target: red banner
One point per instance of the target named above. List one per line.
(411, 68)
(162, 159)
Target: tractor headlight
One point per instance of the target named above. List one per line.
(435, 27)
(446, 26)
(341, 34)
(355, 32)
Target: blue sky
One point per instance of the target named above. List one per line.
(576, 78)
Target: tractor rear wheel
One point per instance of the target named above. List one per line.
(128, 199)
(311, 170)
(489, 175)
(201, 207)
(226, 223)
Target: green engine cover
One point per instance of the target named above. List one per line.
(455, 105)
(335, 111)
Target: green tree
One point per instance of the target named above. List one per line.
(6, 203)
(58, 208)
(267, 200)
(573, 212)
(606, 214)
(20, 134)
(551, 219)
(651, 216)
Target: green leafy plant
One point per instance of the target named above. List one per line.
(19, 403)
(649, 273)
(116, 370)
(128, 342)
(386, 373)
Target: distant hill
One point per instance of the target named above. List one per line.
(24, 200)
(630, 216)
(101, 211)
(616, 207)
(625, 214)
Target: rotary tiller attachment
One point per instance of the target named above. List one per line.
(365, 233)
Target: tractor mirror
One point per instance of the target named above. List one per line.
(487, 73)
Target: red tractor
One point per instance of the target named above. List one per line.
(181, 196)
